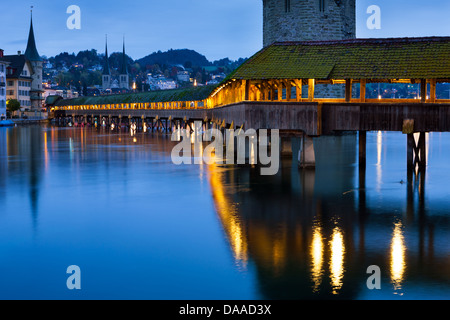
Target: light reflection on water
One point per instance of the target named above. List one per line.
(117, 206)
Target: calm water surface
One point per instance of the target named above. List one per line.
(140, 227)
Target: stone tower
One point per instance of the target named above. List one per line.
(124, 78)
(308, 20)
(106, 77)
(32, 55)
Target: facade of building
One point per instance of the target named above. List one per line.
(308, 20)
(24, 76)
(159, 82)
(18, 80)
(3, 65)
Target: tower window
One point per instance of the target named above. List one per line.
(287, 6)
(322, 5)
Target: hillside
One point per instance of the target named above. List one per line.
(184, 57)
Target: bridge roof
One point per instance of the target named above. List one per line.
(190, 94)
(391, 58)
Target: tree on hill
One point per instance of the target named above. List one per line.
(183, 57)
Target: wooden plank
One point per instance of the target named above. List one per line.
(362, 95)
(433, 91)
(311, 88)
(348, 90)
(423, 90)
(298, 89)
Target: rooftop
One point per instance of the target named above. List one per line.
(390, 58)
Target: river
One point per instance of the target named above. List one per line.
(140, 227)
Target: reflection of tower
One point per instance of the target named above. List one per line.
(124, 80)
(3, 162)
(32, 55)
(106, 78)
(25, 144)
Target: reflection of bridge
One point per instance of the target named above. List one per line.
(280, 88)
(309, 238)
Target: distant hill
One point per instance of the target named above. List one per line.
(184, 57)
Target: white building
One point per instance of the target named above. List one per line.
(3, 65)
(183, 76)
(159, 82)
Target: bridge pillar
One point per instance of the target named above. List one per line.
(416, 152)
(286, 147)
(307, 153)
(362, 149)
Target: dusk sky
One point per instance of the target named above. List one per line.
(215, 28)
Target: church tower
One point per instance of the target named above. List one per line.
(124, 78)
(308, 20)
(32, 55)
(106, 77)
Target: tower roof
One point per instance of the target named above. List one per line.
(31, 53)
(124, 68)
(106, 69)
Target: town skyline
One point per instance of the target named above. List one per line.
(228, 32)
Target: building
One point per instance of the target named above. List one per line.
(124, 78)
(159, 82)
(18, 80)
(109, 82)
(24, 76)
(308, 20)
(183, 76)
(3, 65)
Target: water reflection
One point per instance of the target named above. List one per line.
(398, 261)
(310, 235)
(23, 154)
(300, 234)
(317, 252)
(337, 260)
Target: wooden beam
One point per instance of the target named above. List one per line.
(423, 90)
(288, 90)
(348, 90)
(433, 90)
(311, 87)
(298, 89)
(280, 90)
(362, 91)
(247, 90)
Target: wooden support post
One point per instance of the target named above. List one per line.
(433, 90)
(362, 148)
(422, 150)
(362, 91)
(288, 90)
(280, 90)
(298, 89)
(423, 90)
(348, 90)
(247, 90)
(411, 144)
(311, 88)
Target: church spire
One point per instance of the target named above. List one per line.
(124, 68)
(31, 52)
(106, 69)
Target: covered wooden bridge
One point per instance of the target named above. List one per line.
(306, 88)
